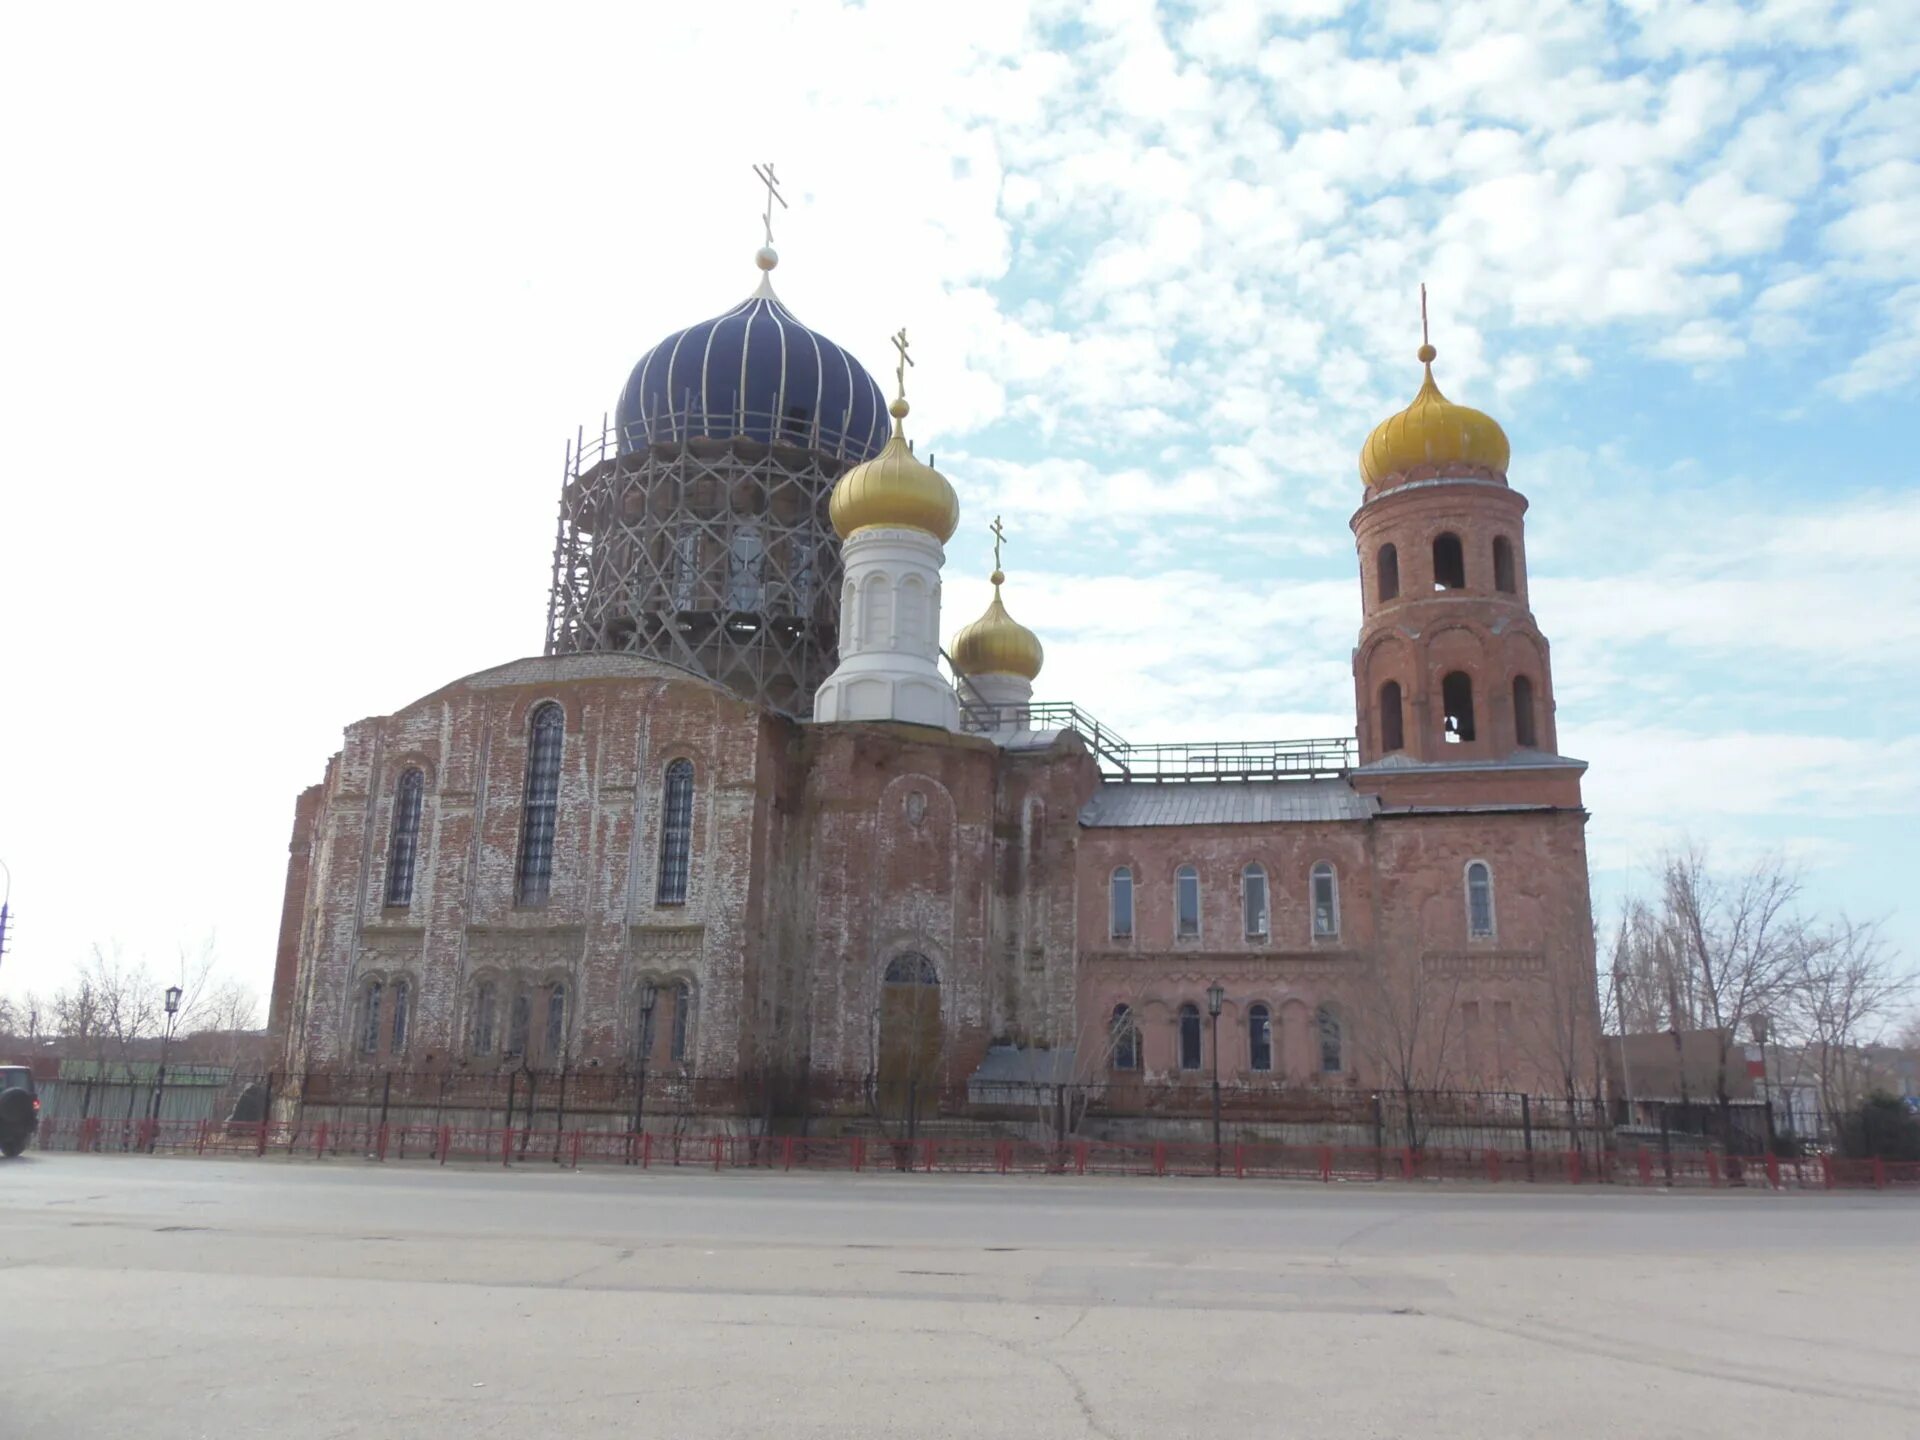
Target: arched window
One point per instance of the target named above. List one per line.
(1333, 1054)
(1186, 883)
(676, 834)
(1523, 732)
(1387, 574)
(1456, 697)
(1120, 904)
(1326, 902)
(1503, 564)
(404, 845)
(682, 1018)
(1393, 735)
(1479, 900)
(370, 1018)
(519, 1024)
(911, 969)
(402, 1014)
(1449, 563)
(485, 998)
(556, 1024)
(1189, 1037)
(1253, 886)
(533, 876)
(1126, 1039)
(1259, 1038)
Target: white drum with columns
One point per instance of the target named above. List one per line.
(889, 633)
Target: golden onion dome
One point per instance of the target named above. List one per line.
(894, 488)
(1433, 431)
(997, 644)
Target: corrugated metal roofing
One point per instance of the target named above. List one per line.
(1228, 802)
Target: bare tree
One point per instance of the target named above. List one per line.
(1847, 988)
(1409, 1027)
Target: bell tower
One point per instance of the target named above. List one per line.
(1452, 677)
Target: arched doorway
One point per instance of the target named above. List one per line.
(909, 1038)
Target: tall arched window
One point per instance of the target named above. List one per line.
(1393, 735)
(533, 876)
(1326, 902)
(1503, 564)
(485, 1020)
(520, 1024)
(682, 1019)
(1259, 1038)
(1479, 900)
(1253, 889)
(1456, 697)
(556, 1037)
(1333, 1050)
(1120, 904)
(1126, 1039)
(370, 1018)
(1189, 1037)
(1523, 731)
(1186, 884)
(1449, 562)
(1387, 574)
(404, 845)
(402, 1014)
(676, 834)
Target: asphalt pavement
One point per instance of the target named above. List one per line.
(165, 1298)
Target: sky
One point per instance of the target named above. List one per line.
(301, 305)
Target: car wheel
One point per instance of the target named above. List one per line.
(12, 1145)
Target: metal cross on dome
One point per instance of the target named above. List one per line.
(900, 370)
(999, 538)
(765, 172)
(1425, 339)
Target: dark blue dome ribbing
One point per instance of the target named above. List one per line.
(755, 372)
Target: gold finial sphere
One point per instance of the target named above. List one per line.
(766, 257)
(1426, 354)
(999, 577)
(899, 408)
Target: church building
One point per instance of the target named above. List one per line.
(748, 824)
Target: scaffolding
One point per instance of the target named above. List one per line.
(703, 540)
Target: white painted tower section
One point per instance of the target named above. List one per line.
(890, 633)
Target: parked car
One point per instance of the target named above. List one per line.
(19, 1109)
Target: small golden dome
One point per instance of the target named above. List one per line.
(1433, 431)
(894, 488)
(998, 644)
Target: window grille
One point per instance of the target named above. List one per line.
(1479, 900)
(405, 843)
(533, 877)
(1259, 1038)
(1187, 884)
(1326, 902)
(1189, 1037)
(1122, 903)
(676, 834)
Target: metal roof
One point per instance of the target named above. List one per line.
(1228, 802)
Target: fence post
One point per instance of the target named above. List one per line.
(380, 1142)
(859, 1153)
(1646, 1167)
(719, 1144)
(506, 1146)
(1406, 1162)
(200, 1143)
(1526, 1130)
(1379, 1139)
(786, 1152)
(1826, 1172)
(1713, 1166)
(1080, 1149)
(1239, 1161)
(1159, 1157)
(320, 1141)
(1879, 1173)
(576, 1149)
(1493, 1165)
(1326, 1163)
(1773, 1170)
(446, 1142)
(386, 1095)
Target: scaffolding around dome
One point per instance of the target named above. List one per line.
(712, 554)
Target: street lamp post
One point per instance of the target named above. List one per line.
(1215, 997)
(166, 1043)
(649, 994)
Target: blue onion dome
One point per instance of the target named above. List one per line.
(758, 373)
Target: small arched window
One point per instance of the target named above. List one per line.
(682, 1019)
(1253, 888)
(1189, 1037)
(485, 1020)
(1479, 900)
(676, 834)
(1449, 563)
(1326, 902)
(1333, 1049)
(1393, 735)
(402, 1014)
(370, 1018)
(1259, 1038)
(1503, 564)
(1523, 731)
(556, 1036)
(404, 845)
(1186, 884)
(1120, 904)
(1387, 574)
(1456, 697)
(533, 875)
(1126, 1039)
